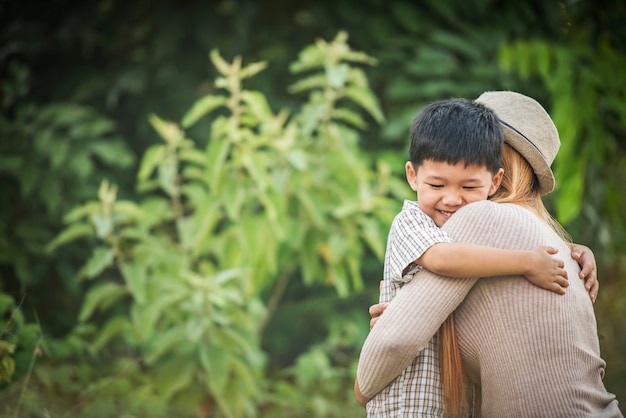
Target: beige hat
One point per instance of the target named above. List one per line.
(528, 129)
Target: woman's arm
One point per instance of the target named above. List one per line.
(410, 321)
(417, 312)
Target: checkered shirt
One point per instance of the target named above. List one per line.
(418, 391)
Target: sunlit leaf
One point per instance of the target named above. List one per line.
(257, 104)
(153, 156)
(200, 108)
(366, 99)
(219, 63)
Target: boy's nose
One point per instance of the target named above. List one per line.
(452, 199)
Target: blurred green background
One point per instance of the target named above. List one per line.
(196, 195)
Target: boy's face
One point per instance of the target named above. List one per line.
(442, 188)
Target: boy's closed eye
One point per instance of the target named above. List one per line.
(435, 186)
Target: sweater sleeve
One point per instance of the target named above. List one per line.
(416, 313)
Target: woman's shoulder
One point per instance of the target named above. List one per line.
(487, 207)
(478, 221)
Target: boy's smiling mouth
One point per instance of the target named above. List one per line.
(446, 214)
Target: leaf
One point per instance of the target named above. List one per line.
(311, 82)
(113, 153)
(100, 259)
(113, 327)
(253, 69)
(310, 206)
(310, 57)
(193, 156)
(366, 99)
(216, 361)
(100, 297)
(338, 75)
(164, 343)
(350, 117)
(298, 159)
(220, 64)
(200, 108)
(71, 233)
(80, 212)
(130, 211)
(151, 159)
(168, 174)
(233, 199)
(569, 203)
(103, 224)
(169, 131)
(59, 155)
(173, 376)
(217, 151)
(135, 278)
(205, 219)
(257, 104)
(372, 235)
(255, 165)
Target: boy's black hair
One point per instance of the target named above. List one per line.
(457, 130)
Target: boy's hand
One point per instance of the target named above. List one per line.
(375, 312)
(588, 273)
(547, 271)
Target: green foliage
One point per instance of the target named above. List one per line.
(18, 340)
(180, 277)
(122, 62)
(324, 373)
(587, 108)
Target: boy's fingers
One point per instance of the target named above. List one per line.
(551, 250)
(562, 282)
(560, 289)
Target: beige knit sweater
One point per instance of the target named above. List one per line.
(533, 352)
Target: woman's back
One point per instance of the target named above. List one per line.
(535, 352)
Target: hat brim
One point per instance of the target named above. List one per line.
(533, 157)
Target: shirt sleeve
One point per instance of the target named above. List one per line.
(412, 234)
(415, 314)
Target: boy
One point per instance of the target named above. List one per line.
(455, 152)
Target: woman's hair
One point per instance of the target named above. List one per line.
(451, 369)
(519, 185)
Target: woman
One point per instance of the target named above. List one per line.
(530, 352)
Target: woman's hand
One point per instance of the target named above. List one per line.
(588, 271)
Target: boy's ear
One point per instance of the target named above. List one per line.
(495, 182)
(411, 175)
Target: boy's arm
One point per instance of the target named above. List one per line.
(468, 260)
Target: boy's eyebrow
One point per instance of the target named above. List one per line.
(468, 180)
